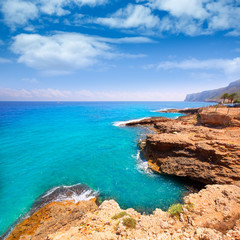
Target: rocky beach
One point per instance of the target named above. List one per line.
(204, 146)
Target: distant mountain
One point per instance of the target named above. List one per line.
(213, 95)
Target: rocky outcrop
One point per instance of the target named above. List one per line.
(216, 207)
(185, 111)
(200, 217)
(220, 117)
(50, 219)
(189, 147)
(147, 121)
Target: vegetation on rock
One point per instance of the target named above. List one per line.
(129, 222)
(175, 209)
(119, 215)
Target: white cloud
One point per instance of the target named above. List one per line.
(9, 93)
(91, 2)
(191, 17)
(224, 15)
(29, 28)
(86, 95)
(133, 40)
(18, 12)
(50, 93)
(133, 16)
(228, 66)
(35, 94)
(30, 80)
(141, 17)
(63, 53)
(234, 33)
(56, 7)
(193, 8)
(186, 25)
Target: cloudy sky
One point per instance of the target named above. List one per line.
(108, 50)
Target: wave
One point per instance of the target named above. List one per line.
(158, 110)
(123, 123)
(76, 193)
(142, 164)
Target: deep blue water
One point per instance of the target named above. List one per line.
(47, 144)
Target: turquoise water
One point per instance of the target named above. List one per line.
(46, 144)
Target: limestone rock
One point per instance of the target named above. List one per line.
(185, 147)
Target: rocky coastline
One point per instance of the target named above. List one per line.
(204, 146)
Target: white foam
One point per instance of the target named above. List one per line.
(159, 110)
(123, 123)
(85, 195)
(142, 166)
(50, 191)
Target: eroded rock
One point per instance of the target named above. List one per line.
(213, 213)
(185, 147)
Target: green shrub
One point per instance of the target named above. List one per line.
(119, 215)
(175, 209)
(189, 206)
(129, 222)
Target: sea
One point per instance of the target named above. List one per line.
(48, 145)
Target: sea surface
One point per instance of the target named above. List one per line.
(44, 145)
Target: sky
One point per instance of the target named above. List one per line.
(116, 50)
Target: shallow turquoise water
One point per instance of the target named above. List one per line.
(46, 144)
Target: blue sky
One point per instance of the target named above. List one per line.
(102, 50)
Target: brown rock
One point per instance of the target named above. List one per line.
(147, 121)
(220, 117)
(185, 111)
(184, 147)
(204, 217)
(51, 218)
(216, 207)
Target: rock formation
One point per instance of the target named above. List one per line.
(201, 217)
(189, 147)
(51, 218)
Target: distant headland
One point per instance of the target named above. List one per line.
(214, 95)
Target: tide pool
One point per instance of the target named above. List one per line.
(50, 144)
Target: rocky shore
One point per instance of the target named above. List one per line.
(213, 213)
(203, 145)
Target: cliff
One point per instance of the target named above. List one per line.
(204, 147)
(213, 95)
